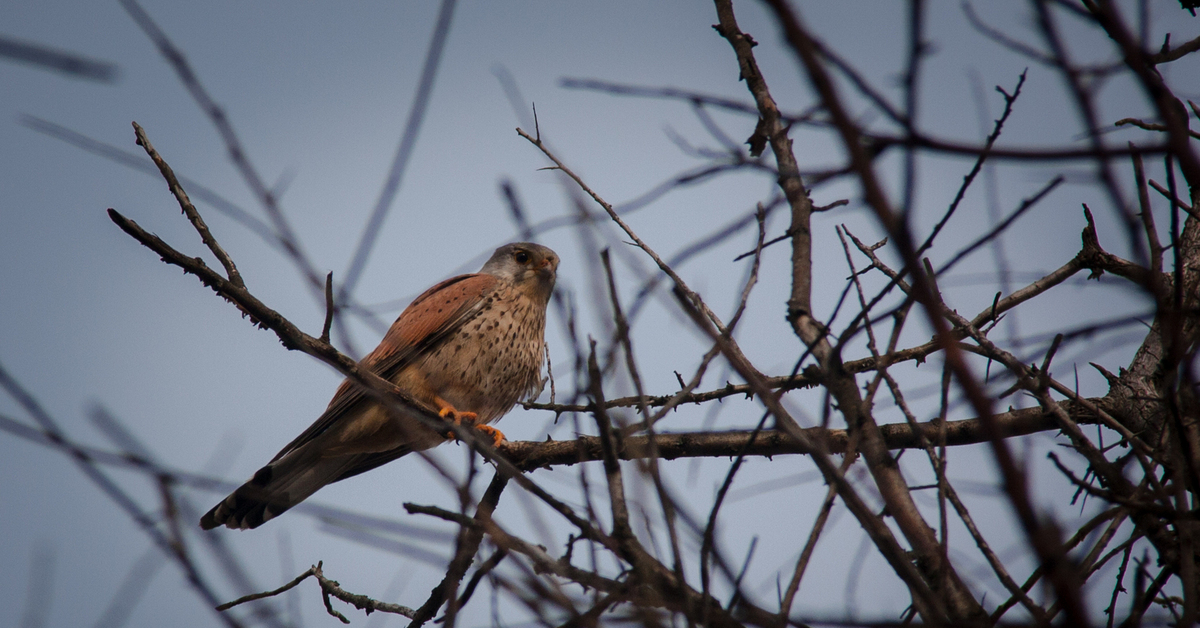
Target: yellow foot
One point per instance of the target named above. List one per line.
(497, 435)
(449, 411)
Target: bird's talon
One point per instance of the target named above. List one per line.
(497, 435)
(449, 412)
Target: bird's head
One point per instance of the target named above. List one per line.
(531, 267)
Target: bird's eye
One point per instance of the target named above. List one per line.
(522, 257)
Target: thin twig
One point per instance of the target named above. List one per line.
(189, 210)
(312, 571)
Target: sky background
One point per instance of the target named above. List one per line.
(318, 94)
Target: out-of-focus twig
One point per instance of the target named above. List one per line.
(69, 63)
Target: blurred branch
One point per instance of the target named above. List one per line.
(69, 63)
(1168, 54)
(879, 142)
(1170, 110)
(408, 140)
(469, 538)
(619, 89)
(237, 153)
(137, 162)
(148, 525)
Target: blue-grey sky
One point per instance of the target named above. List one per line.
(319, 93)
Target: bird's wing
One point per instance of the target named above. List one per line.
(426, 322)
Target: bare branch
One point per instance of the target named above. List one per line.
(468, 544)
(189, 210)
(312, 571)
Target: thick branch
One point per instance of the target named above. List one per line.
(528, 455)
(773, 129)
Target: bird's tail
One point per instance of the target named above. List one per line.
(275, 488)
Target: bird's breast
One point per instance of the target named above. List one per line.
(494, 359)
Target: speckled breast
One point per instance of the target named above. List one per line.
(493, 360)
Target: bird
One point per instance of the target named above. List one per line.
(471, 346)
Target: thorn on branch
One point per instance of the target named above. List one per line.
(1112, 380)
(537, 131)
(1044, 374)
(758, 139)
(328, 307)
(1091, 241)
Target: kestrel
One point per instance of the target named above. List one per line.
(471, 346)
